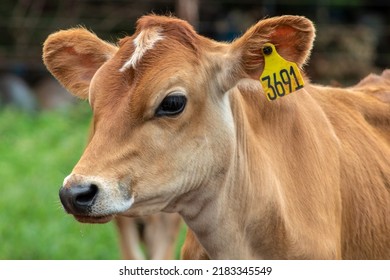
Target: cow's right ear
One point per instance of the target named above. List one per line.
(292, 37)
(73, 56)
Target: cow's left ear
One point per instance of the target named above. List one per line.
(292, 36)
(73, 56)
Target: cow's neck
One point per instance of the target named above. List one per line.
(225, 221)
(255, 211)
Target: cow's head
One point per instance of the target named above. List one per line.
(162, 121)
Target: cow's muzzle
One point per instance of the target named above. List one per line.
(79, 199)
(92, 199)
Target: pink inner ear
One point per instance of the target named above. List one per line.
(70, 50)
(282, 32)
(288, 41)
(86, 60)
(284, 38)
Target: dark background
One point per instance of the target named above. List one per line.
(353, 36)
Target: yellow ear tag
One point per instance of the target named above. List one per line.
(280, 77)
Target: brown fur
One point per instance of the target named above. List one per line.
(303, 177)
(153, 237)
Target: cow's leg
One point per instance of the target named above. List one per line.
(129, 238)
(192, 250)
(161, 232)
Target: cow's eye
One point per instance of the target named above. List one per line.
(171, 105)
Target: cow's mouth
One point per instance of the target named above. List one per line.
(93, 219)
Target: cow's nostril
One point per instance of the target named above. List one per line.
(87, 196)
(78, 199)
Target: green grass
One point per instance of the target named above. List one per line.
(36, 153)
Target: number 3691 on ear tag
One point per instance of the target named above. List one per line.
(280, 77)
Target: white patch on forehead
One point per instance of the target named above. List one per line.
(142, 43)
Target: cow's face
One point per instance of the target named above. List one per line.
(162, 122)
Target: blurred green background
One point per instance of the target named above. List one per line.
(43, 131)
(37, 152)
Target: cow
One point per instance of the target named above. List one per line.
(183, 124)
(153, 237)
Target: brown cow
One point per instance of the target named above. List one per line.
(182, 125)
(152, 237)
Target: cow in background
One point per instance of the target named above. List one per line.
(158, 232)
